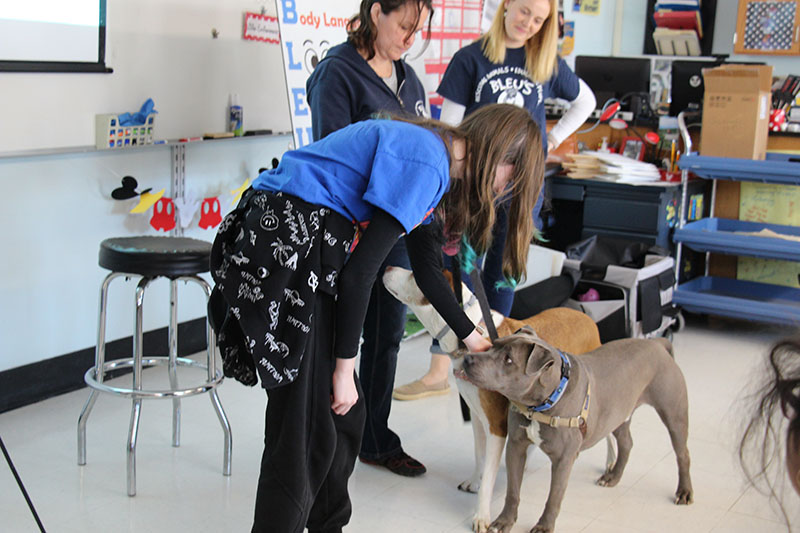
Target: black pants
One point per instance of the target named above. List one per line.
(309, 451)
(383, 330)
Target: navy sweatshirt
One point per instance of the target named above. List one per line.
(344, 89)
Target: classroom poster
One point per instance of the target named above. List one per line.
(586, 7)
(455, 24)
(771, 204)
(308, 29)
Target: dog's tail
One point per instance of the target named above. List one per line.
(666, 344)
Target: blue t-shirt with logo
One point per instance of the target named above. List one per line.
(401, 168)
(473, 81)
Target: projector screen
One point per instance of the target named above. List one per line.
(53, 36)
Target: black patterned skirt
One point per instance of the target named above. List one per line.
(270, 256)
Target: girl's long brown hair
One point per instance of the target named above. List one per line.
(494, 134)
(362, 32)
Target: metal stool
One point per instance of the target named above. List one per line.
(176, 258)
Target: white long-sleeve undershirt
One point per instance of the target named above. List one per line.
(580, 109)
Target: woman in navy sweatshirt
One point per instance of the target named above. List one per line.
(359, 79)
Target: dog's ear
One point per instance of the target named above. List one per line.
(541, 358)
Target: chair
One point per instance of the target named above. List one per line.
(146, 257)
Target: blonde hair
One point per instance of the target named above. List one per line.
(541, 50)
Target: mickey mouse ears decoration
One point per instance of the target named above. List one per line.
(127, 190)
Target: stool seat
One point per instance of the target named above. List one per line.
(153, 256)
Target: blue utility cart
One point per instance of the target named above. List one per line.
(730, 297)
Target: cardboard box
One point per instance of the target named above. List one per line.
(736, 110)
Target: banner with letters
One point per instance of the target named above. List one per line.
(308, 29)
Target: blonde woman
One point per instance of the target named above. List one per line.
(515, 62)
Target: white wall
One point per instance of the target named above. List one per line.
(55, 209)
(159, 49)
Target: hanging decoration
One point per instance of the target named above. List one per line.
(187, 207)
(237, 193)
(210, 215)
(127, 190)
(163, 215)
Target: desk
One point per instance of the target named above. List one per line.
(647, 213)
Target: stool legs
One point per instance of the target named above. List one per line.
(211, 363)
(99, 362)
(95, 376)
(172, 365)
(136, 403)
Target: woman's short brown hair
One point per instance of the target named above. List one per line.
(362, 32)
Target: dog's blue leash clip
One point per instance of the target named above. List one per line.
(562, 386)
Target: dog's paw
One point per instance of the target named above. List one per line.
(684, 497)
(539, 528)
(608, 480)
(480, 525)
(469, 486)
(500, 526)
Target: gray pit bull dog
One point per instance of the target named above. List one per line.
(565, 404)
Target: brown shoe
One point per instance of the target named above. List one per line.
(400, 463)
(417, 390)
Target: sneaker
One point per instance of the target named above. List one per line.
(400, 463)
(417, 390)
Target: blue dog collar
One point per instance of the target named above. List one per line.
(562, 386)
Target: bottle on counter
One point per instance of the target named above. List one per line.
(235, 115)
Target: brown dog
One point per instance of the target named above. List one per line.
(569, 329)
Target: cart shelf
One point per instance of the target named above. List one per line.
(730, 297)
(735, 237)
(777, 168)
(740, 299)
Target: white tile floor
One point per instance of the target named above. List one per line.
(182, 489)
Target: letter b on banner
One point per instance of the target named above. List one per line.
(289, 12)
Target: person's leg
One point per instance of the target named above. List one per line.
(331, 509)
(383, 331)
(300, 441)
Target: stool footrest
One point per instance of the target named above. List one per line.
(91, 379)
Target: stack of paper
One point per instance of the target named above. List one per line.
(612, 167)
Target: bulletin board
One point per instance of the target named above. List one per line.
(187, 55)
(771, 204)
(768, 27)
